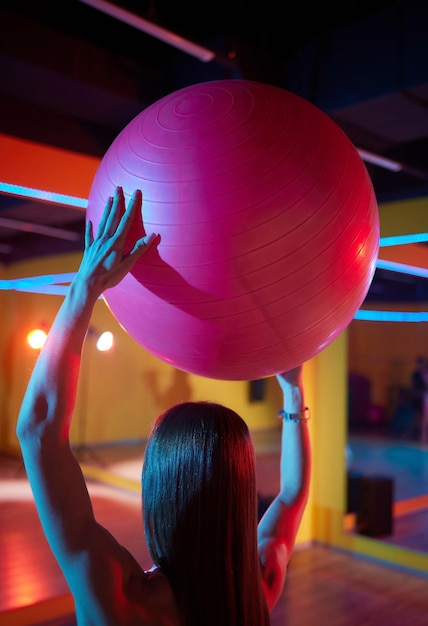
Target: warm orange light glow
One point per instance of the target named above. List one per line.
(105, 341)
(36, 338)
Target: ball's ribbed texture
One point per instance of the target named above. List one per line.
(268, 222)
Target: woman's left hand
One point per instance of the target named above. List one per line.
(105, 261)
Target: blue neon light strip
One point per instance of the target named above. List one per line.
(59, 198)
(399, 240)
(40, 194)
(391, 316)
(48, 290)
(51, 284)
(402, 268)
(48, 285)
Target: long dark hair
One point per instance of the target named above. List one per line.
(200, 514)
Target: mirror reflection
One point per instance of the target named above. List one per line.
(387, 451)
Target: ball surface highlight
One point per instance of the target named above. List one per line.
(268, 224)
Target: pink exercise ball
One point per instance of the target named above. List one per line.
(268, 224)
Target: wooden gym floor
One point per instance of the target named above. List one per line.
(324, 586)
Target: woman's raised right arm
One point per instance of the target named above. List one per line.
(278, 527)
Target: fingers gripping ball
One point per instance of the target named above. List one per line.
(268, 227)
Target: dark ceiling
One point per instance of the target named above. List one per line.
(73, 77)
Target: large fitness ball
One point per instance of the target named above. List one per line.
(268, 223)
